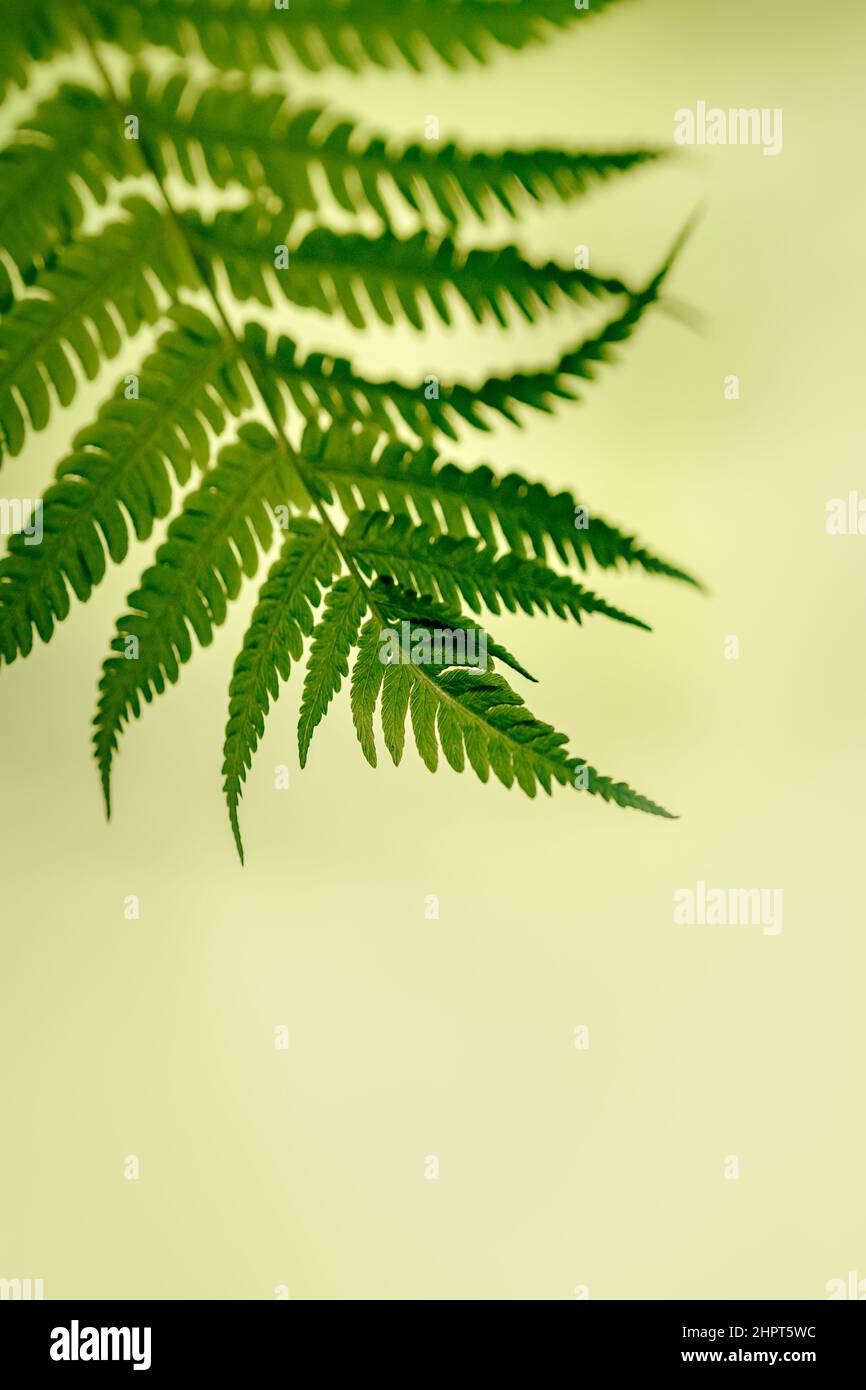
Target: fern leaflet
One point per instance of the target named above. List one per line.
(263, 144)
(284, 615)
(399, 277)
(210, 546)
(454, 569)
(328, 662)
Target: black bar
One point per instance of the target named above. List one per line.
(219, 1339)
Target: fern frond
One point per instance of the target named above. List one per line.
(263, 143)
(199, 568)
(454, 570)
(67, 148)
(328, 663)
(327, 270)
(321, 384)
(283, 616)
(427, 545)
(362, 471)
(119, 475)
(97, 282)
(476, 717)
(239, 35)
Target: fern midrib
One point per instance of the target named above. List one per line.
(92, 291)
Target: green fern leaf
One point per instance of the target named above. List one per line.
(264, 144)
(422, 709)
(454, 569)
(66, 148)
(238, 35)
(97, 281)
(367, 676)
(328, 662)
(327, 269)
(477, 717)
(284, 615)
(363, 472)
(210, 547)
(117, 475)
(425, 542)
(321, 384)
(396, 690)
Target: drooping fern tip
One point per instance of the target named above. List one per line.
(179, 200)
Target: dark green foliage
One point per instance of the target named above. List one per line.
(70, 143)
(387, 277)
(31, 33)
(241, 35)
(284, 616)
(265, 144)
(464, 569)
(398, 605)
(120, 473)
(210, 547)
(269, 436)
(328, 662)
(361, 470)
(74, 319)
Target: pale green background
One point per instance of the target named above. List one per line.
(455, 1038)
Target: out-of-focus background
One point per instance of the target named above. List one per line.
(560, 1167)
